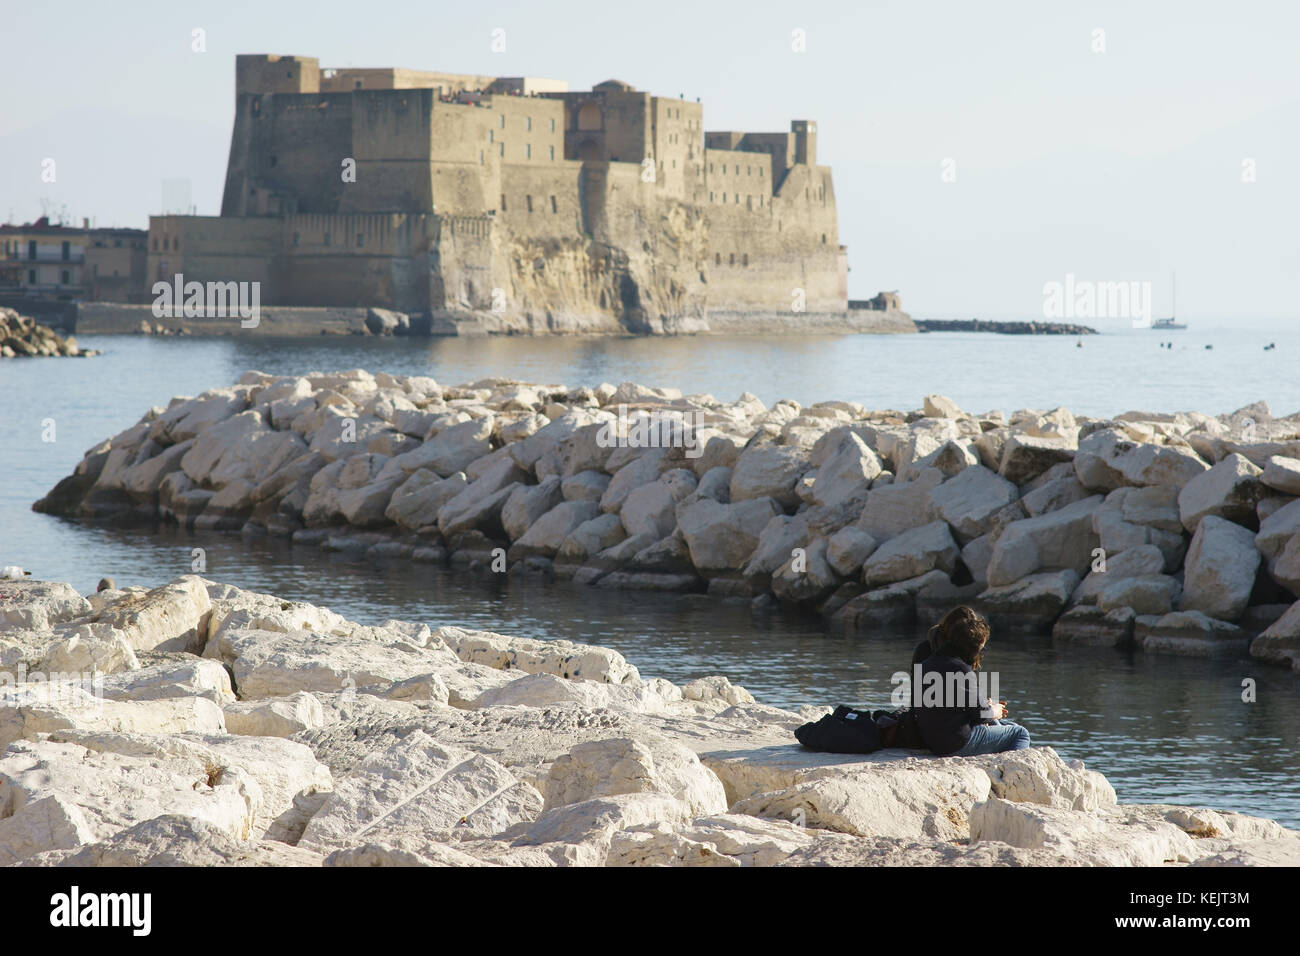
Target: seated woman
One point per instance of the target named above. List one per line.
(956, 724)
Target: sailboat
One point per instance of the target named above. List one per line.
(1171, 323)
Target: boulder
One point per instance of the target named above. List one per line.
(1056, 540)
(419, 792)
(1027, 456)
(721, 537)
(768, 472)
(527, 503)
(846, 471)
(549, 532)
(969, 500)
(415, 502)
(1282, 474)
(892, 509)
(1220, 569)
(1032, 603)
(1230, 490)
(452, 449)
(1189, 634)
(1280, 642)
(911, 554)
(622, 765)
(847, 550)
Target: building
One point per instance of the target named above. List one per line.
(509, 202)
(66, 262)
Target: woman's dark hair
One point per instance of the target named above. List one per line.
(963, 632)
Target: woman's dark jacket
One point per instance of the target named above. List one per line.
(945, 728)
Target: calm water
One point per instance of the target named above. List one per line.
(1161, 728)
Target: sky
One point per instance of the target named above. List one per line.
(979, 150)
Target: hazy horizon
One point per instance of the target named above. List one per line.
(1122, 165)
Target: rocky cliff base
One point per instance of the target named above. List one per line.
(200, 724)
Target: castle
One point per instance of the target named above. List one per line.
(508, 204)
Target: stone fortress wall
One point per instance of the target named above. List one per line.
(505, 204)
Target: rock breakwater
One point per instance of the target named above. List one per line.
(1179, 533)
(201, 724)
(24, 337)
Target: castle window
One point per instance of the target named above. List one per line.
(503, 149)
(503, 202)
(492, 136)
(552, 152)
(737, 199)
(554, 207)
(823, 238)
(501, 121)
(361, 240)
(710, 197)
(733, 259)
(528, 150)
(724, 169)
(724, 198)
(552, 128)
(528, 123)
(744, 260)
(710, 167)
(528, 200)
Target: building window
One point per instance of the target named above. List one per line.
(724, 198)
(724, 169)
(554, 207)
(528, 123)
(503, 149)
(155, 244)
(717, 258)
(361, 240)
(710, 197)
(528, 201)
(744, 260)
(480, 157)
(65, 277)
(501, 121)
(273, 160)
(552, 126)
(492, 136)
(503, 202)
(823, 238)
(31, 249)
(552, 152)
(732, 261)
(67, 251)
(327, 238)
(31, 277)
(297, 238)
(528, 150)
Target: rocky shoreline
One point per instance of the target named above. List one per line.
(201, 724)
(24, 337)
(1177, 533)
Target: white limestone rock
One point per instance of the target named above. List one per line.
(969, 500)
(274, 717)
(1230, 490)
(1220, 569)
(623, 765)
(420, 792)
(1062, 539)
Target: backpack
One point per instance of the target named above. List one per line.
(850, 731)
(845, 731)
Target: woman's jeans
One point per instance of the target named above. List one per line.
(994, 738)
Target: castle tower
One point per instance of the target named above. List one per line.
(805, 141)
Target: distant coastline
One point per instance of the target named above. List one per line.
(1002, 328)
